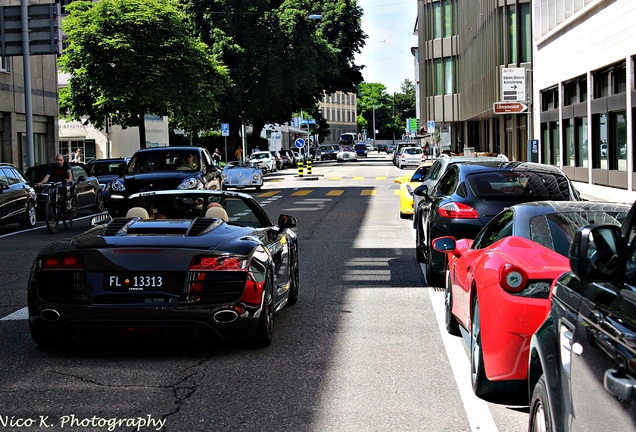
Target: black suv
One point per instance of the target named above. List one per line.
(17, 198)
(163, 168)
(582, 368)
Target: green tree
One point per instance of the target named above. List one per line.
(128, 58)
(374, 106)
(280, 60)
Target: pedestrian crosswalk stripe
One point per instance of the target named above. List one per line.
(335, 192)
(304, 192)
(368, 192)
(268, 194)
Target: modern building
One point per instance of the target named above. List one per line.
(340, 111)
(44, 104)
(584, 55)
(463, 48)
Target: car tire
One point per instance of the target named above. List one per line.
(419, 253)
(264, 331)
(31, 218)
(99, 203)
(452, 327)
(293, 289)
(540, 411)
(432, 278)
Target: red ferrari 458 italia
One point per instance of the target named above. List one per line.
(498, 285)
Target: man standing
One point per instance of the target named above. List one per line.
(238, 153)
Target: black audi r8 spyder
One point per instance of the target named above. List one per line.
(208, 262)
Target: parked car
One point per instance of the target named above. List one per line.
(241, 175)
(106, 170)
(346, 154)
(87, 190)
(397, 149)
(410, 156)
(498, 286)
(408, 183)
(467, 196)
(277, 158)
(582, 367)
(328, 151)
(17, 198)
(163, 168)
(264, 159)
(287, 158)
(361, 149)
(215, 266)
(381, 148)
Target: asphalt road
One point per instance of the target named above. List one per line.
(364, 349)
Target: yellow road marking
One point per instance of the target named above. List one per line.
(268, 194)
(368, 192)
(335, 192)
(302, 192)
(358, 178)
(335, 178)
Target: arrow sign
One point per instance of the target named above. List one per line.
(509, 107)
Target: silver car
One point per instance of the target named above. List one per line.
(410, 156)
(241, 175)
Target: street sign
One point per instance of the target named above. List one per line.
(225, 129)
(300, 143)
(45, 30)
(310, 121)
(509, 107)
(430, 125)
(513, 84)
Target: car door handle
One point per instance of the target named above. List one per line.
(619, 384)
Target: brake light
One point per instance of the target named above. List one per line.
(455, 210)
(67, 262)
(512, 278)
(253, 291)
(208, 263)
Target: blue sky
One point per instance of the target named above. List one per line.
(387, 55)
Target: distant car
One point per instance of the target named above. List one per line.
(410, 156)
(87, 189)
(498, 286)
(17, 198)
(277, 158)
(467, 196)
(215, 266)
(288, 158)
(164, 168)
(328, 151)
(241, 175)
(582, 367)
(408, 183)
(361, 149)
(264, 159)
(346, 154)
(348, 138)
(397, 149)
(106, 170)
(381, 148)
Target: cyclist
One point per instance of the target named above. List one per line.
(59, 172)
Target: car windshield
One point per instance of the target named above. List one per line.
(103, 168)
(413, 150)
(420, 173)
(516, 184)
(162, 161)
(36, 173)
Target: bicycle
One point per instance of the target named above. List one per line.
(58, 208)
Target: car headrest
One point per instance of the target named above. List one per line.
(216, 212)
(139, 212)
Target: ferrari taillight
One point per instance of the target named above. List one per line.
(454, 210)
(512, 278)
(65, 262)
(208, 263)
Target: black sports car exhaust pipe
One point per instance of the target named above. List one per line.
(225, 316)
(50, 315)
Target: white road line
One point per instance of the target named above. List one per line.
(477, 410)
(22, 314)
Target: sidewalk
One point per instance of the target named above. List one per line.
(604, 193)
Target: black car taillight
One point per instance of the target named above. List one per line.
(453, 210)
(64, 262)
(218, 278)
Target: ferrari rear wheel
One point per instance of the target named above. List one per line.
(451, 323)
(481, 384)
(264, 332)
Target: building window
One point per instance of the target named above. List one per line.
(439, 77)
(555, 144)
(599, 141)
(619, 79)
(568, 142)
(4, 64)
(549, 99)
(581, 142)
(601, 84)
(437, 20)
(525, 33)
(449, 76)
(619, 140)
(449, 15)
(512, 34)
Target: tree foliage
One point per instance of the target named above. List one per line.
(127, 58)
(280, 60)
(389, 111)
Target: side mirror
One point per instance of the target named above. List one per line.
(446, 245)
(286, 221)
(594, 254)
(398, 180)
(421, 191)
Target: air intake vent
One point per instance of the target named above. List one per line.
(116, 226)
(203, 225)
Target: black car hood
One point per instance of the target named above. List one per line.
(163, 180)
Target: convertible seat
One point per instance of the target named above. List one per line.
(217, 212)
(139, 212)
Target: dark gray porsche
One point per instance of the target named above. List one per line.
(207, 262)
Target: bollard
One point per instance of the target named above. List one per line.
(300, 169)
(309, 167)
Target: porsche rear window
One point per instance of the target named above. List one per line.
(518, 184)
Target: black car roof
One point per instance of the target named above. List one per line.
(512, 166)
